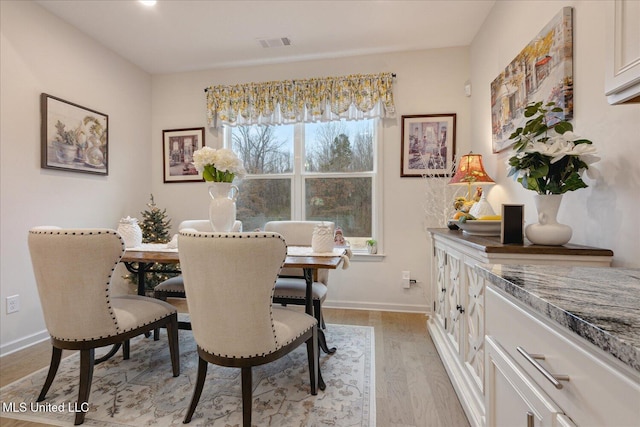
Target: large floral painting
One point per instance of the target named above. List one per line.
(542, 71)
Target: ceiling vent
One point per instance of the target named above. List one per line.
(277, 42)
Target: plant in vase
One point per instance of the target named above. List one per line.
(550, 160)
(220, 167)
(372, 246)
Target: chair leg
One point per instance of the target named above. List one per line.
(312, 357)
(247, 392)
(86, 376)
(56, 356)
(126, 349)
(174, 347)
(202, 374)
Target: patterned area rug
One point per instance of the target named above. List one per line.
(141, 391)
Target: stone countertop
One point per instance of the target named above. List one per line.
(602, 305)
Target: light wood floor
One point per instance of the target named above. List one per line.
(412, 386)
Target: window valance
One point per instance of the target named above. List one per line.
(356, 96)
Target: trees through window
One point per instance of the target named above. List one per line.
(314, 171)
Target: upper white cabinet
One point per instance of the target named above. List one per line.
(622, 79)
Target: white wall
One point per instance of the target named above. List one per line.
(605, 214)
(40, 53)
(427, 82)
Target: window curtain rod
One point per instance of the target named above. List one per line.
(206, 89)
(350, 97)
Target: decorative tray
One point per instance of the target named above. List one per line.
(480, 228)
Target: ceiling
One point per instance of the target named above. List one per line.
(176, 36)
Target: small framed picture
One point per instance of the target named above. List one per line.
(178, 148)
(428, 145)
(73, 138)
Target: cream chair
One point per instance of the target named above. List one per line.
(73, 269)
(291, 286)
(229, 280)
(174, 287)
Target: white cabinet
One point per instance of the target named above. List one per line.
(457, 323)
(622, 78)
(536, 367)
(513, 399)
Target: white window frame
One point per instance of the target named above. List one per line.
(299, 175)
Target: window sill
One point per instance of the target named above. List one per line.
(366, 257)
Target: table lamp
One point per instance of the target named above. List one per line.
(470, 171)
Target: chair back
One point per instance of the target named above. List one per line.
(298, 233)
(229, 280)
(205, 225)
(73, 269)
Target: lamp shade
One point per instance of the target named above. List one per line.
(471, 171)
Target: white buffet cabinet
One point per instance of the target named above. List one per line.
(457, 323)
(562, 346)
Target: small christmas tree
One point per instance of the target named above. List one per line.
(155, 229)
(155, 225)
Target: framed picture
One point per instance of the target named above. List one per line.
(179, 146)
(541, 72)
(428, 145)
(73, 138)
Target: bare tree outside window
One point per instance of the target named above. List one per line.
(336, 174)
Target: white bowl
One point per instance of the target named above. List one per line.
(480, 228)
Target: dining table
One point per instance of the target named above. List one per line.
(143, 260)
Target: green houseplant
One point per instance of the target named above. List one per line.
(372, 246)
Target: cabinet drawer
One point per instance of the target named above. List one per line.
(600, 391)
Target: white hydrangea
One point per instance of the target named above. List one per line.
(222, 160)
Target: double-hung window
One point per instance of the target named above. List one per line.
(310, 171)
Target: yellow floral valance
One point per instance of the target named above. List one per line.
(356, 96)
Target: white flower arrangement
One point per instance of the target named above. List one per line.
(220, 165)
(549, 159)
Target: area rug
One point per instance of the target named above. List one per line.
(142, 392)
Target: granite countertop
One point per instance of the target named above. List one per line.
(602, 305)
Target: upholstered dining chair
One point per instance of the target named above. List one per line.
(73, 269)
(174, 287)
(291, 286)
(229, 280)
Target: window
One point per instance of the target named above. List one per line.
(314, 171)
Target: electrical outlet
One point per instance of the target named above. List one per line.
(406, 279)
(13, 304)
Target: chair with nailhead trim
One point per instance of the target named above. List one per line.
(73, 269)
(291, 286)
(174, 286)
(229, 279)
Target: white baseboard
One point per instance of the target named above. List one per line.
(375, 306)
(19, 344)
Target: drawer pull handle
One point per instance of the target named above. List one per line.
(553, 378)
(460, 309)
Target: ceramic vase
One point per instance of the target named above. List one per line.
(322, 240)
(130, 232)
(548, 231)
(222, 208)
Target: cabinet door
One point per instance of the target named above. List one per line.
(474, 354)
(454, 285)
(622, 79)
(511, 398)
(440, 286)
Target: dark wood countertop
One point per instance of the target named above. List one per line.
(492, 245)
